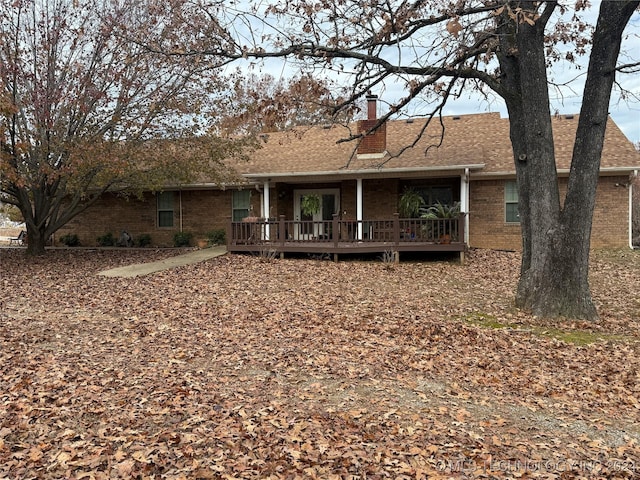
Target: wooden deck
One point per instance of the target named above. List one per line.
(279, 236)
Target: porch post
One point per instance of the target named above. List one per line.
(464, 203)
(632, 180)
(266, 208)
(359, 218)
(282, 231)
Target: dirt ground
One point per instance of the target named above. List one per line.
(240, 367)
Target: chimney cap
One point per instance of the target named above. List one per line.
(371, 95)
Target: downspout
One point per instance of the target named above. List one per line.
(632, 180)
(464, 202)
(359, 208)
(266, 208)
(180, 207)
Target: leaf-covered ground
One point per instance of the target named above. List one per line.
(243, 368)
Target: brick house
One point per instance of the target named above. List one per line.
(465, 159)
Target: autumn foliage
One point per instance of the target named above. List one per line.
(84, 109)
(240, 367)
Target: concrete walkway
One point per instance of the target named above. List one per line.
(140, 269)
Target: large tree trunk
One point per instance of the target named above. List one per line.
(556, 241)
(36, 240)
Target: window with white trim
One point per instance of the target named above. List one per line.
(511, 202)
(165, 209)
(241, 204)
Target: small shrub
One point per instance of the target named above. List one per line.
(268, 254)
(143, 240)
(217, 237)
(106, 240)
(388, 259)
(70, 240)
(182, 239)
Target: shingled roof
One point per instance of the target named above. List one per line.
(479, 142)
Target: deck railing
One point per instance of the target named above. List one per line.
(396, 230)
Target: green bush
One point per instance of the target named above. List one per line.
(70, 240)
(182, 239)
(217, 237)
(106, 240)
(143, 240)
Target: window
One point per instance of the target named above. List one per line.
(511, 202)
(433, 194)
(165, 209)
(241, 204)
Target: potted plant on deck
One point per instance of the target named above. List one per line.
(410, 203)
(440, 211)
(409, 206)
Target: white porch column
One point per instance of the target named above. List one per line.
(632, 180)
(464, 202)
(266, 207)
(359, 207)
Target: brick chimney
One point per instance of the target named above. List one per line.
(375, 142)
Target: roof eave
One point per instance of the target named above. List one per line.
(562, 172)
(343, 174)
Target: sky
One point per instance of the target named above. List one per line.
(624, 111)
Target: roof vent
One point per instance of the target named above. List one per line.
(326, 126)
(456, 117)
(568, 117)
(409, 120)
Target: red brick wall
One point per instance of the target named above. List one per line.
(487, 226)
(202, 211)
(611, 215)
(380, 199)
(113, 214)
(348, 202)
(488, 229)
(206, 210)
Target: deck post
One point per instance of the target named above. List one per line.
(335, 231)
(396, 237)
(396, 228)
(282, 233)
(359, 209)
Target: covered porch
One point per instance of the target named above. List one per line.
(338, 236)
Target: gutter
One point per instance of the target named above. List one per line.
(562, 172)
(364, 172)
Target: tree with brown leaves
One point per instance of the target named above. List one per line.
(261, 104)
(82, 109)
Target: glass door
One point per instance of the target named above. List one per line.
(316, 225)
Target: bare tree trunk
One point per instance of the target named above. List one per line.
(36, 241)
(556, 242)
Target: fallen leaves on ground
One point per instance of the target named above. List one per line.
(244, 368)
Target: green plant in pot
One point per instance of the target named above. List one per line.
(410, 203)
(310, 204)
(440, 211)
